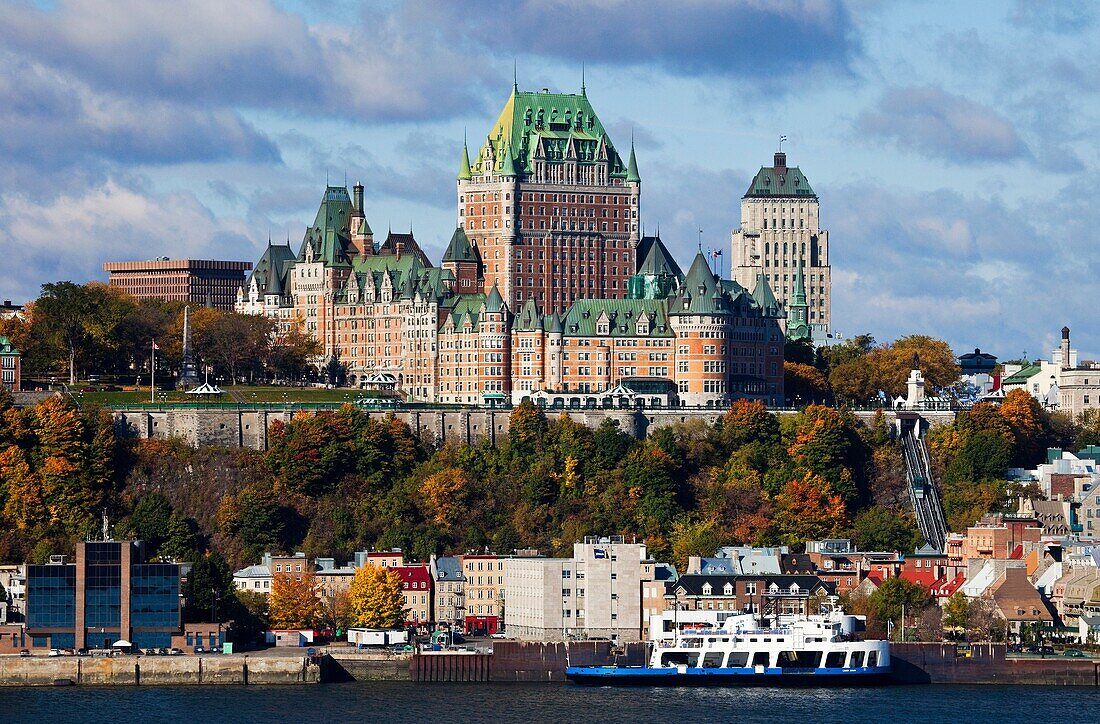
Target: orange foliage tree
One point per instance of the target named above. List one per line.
(293, 602)
(808, 509)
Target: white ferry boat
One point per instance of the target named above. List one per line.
(807, 651)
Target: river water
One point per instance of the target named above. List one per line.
(444, 703)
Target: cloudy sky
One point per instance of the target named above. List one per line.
(948, 141)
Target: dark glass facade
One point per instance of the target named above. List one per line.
(51, 597)
(123, 598)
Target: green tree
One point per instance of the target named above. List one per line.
(956, 612)
(209, 587)
(880, 529)
(181, 538)
(149, 521)
(894, 593)
(698, 538)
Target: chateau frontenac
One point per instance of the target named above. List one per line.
(546, 291)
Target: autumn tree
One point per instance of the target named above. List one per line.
(693, 538)
(1025, 419)
(808, 509)
(294, 602)
(803, 383)
(376, 598)
(444, 496)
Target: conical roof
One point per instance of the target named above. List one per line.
(464, 169)
(764, 298)
(494, 302)
(632, 167)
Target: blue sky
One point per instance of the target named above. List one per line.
(950, 142)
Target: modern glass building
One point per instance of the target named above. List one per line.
(108, 594)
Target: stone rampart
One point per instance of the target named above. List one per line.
(249, 427)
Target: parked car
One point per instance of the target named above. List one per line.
(163, 651)
(24, 653)
(499, 635)
(1015, 648)
(54, 652)
(1075, 654)
(82, 652)
(175, 652)
(200, 650)
(1046, 650)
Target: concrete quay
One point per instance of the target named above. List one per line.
(249, 427)
(157, 670)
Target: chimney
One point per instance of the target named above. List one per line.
(357, 197)
(780, 163)
(1065, 348)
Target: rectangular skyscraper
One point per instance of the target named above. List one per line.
(780, 230)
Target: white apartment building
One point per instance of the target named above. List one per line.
(596, 593)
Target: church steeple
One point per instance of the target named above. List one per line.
(632, 166)
(798, 327)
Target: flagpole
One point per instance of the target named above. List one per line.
(152, 372)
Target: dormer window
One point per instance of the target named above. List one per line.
(706, 589)
(728, 590)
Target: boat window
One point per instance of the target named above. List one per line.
(725, 640)
(760, 658)
(872, 658)
(835, 660)
(754, 639)
(738, 660)
(767, 639)
(676, 658)
(798, 659)
(713, 660)
(857, 660)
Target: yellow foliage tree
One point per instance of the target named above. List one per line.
(444, 495)
(293, 603)
(376, 598)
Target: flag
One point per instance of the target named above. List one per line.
(599, 553)
(155, 345)
(716, 253)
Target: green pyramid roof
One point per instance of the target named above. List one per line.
(459, 248)
(780, 180)
(701, 294)
(330, 234)
(764, 298)
(529, 319)
(553, 324)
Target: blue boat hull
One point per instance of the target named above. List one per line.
(642, 676)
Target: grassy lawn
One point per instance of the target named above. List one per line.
(247, 394)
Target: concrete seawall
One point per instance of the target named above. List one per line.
(249, 427)
(986, 664)
(156, 670)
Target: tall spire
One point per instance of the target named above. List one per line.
(632, 165)
(515, 75)
(798, 327)
(584, 91)
(464, 173)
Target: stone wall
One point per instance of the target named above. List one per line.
(157, 670)
(986, 664)
(248, 427)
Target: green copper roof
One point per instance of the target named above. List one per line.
(764, 298)
(556, 126)
(780, 181)
(459, 247)
(272, 269)
(1022, 376)
(553, 324)
(701, 292)
(7, 348)
(529, 318)
(632, 167)
(621, 315)
(494, 303)
(464, 169)
(330, 237)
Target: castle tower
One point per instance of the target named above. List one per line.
(780, 233)
(549, 205)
